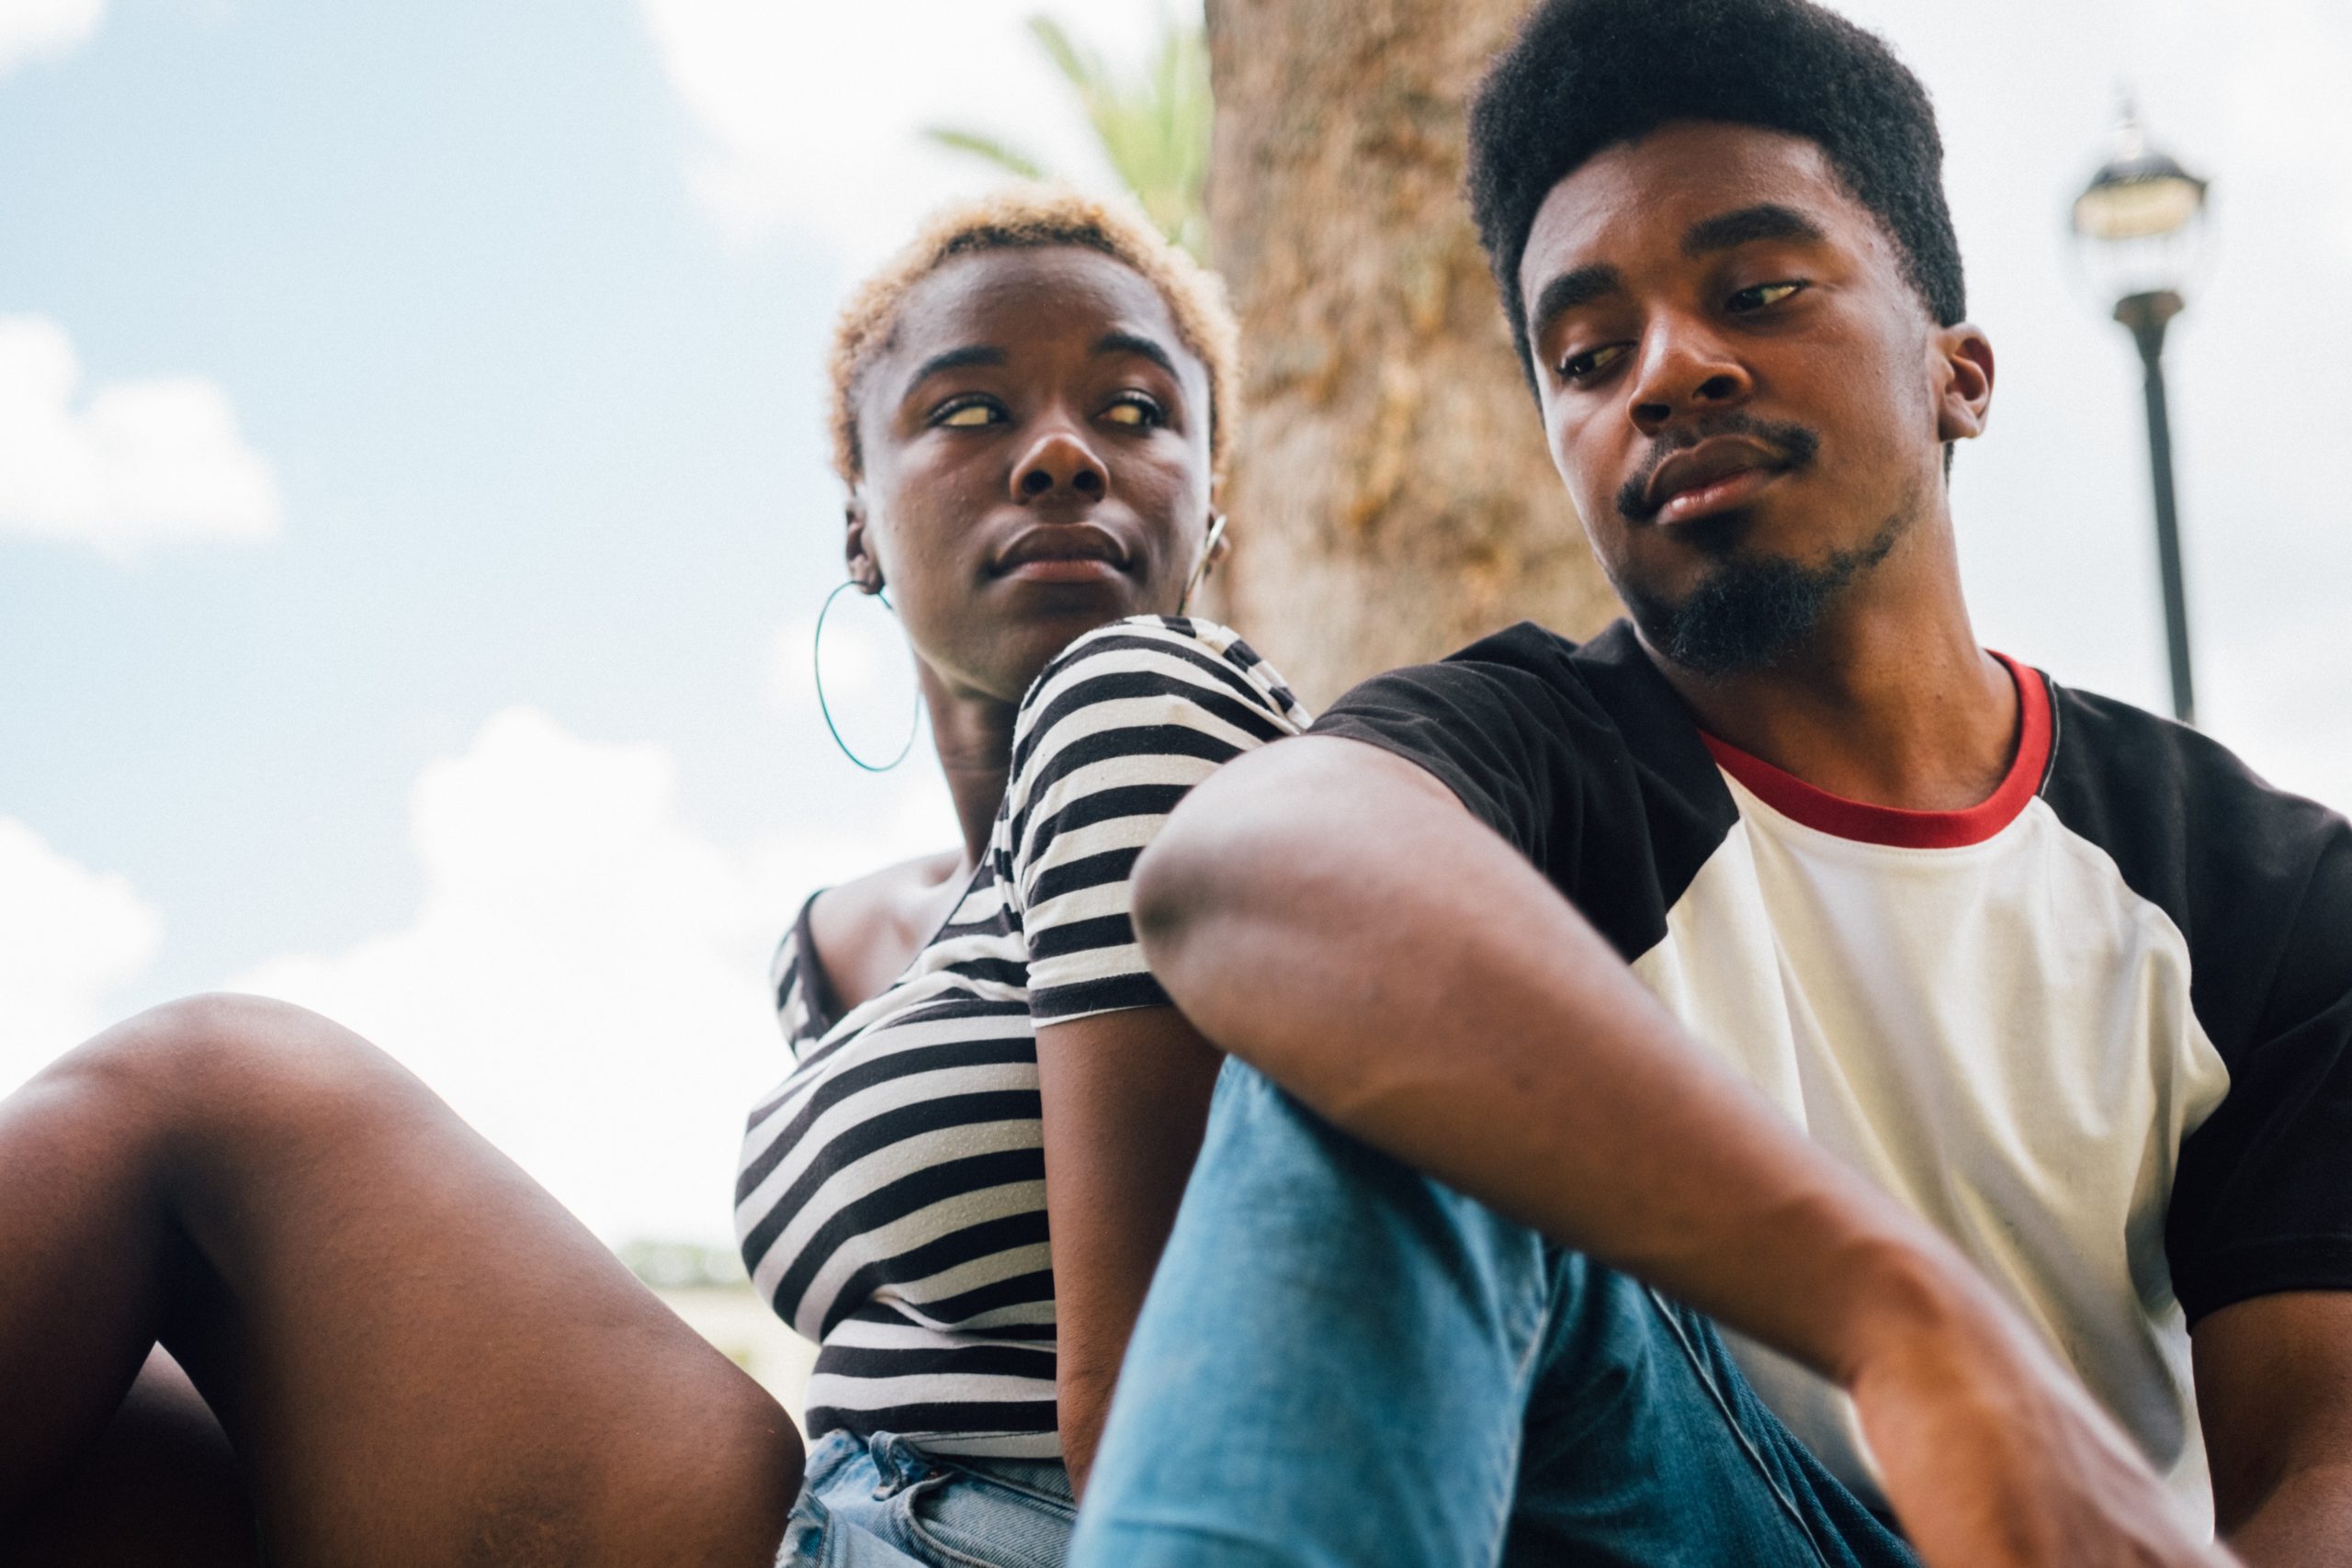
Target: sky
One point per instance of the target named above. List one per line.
(414, 510)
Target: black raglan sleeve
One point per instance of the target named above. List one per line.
(1581, 758)
(2262, 1201)
(1494, 725)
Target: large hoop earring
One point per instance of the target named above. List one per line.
(817, 668)
(1200, 567)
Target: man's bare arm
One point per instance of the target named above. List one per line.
(2274, 1390)
(1331, 915)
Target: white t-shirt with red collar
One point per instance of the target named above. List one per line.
(2097, 1029)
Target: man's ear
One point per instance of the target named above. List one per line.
(857, 552)
(1964, 395)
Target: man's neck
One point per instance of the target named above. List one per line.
(1882, 702)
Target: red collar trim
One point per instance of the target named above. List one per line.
(1793, 798)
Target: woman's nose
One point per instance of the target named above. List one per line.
(1060, 464)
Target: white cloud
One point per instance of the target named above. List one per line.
(35, 30)
(131, 465)
(69, 936)
(583, 979)
(812, 114)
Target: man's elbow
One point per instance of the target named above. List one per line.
(1192, 881)
(1173, 889)
(1225, 869)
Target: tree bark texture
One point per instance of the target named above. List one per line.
(1391, 496)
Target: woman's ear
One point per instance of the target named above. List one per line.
(1219, 543)
(1964, 400)
(1211, 551)
(857, 551)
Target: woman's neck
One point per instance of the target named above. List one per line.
(973, 733)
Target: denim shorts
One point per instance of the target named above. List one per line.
(881, 1502)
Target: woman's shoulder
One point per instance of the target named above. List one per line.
(850, 940)
(1177, 659)
(1167, 632)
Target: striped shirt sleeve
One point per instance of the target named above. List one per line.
(801, 1003)
(1117, 729)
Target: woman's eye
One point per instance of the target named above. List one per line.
(966, 416)
(1761, 296)
(1134, 411)
(1592, 362)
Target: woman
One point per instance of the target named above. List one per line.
(419, 1357)
(1026, 410)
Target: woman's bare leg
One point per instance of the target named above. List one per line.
(420, 1356)
(160, 1488)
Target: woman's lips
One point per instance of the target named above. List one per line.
(1718, 494)
(1062, 569)
(1062, 552)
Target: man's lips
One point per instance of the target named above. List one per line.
(1734, 488)
(1721, 471)
(1061, 552)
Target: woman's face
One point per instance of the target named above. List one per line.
(1035, 442)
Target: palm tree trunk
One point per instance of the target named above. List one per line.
(1392, 497)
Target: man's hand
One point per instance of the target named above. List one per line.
(1995, 1457)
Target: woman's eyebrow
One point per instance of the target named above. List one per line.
(953, 359)
(1766, 221)
(1133, 342)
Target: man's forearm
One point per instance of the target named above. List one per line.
(1331, 915)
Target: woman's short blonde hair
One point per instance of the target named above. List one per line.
(1025, 217)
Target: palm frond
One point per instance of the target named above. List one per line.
(1081, 68)
(990, 149)
(1153, 126)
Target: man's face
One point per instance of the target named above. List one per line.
(1747, 399)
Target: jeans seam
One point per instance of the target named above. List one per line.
(1746, 1444)
(1505, 1488)
(987, 1478)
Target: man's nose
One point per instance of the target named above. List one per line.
(1686, 369)
(1059, 462)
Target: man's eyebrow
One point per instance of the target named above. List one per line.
(1139, 345)
(953, 359)
(1766, 221)
(1579, 286)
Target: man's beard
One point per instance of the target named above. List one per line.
(1748, 612)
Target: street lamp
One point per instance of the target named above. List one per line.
(2139, 223)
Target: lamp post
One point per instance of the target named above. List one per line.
(2139, 223)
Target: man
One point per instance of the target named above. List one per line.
(1977, 1053)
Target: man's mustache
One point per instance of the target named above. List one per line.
(1795, 444)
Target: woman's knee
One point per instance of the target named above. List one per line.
(222, 1054)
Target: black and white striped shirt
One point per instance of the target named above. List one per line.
(891, 1203)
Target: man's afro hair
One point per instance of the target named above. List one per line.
(1587, 74)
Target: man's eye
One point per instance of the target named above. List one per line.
(1592, 362)
(1135, 409)
(966, 416)
(1762, 296)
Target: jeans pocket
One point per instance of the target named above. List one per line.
(848, 1515)
(965, 1518)
(825, 1459)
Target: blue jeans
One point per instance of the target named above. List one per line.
(1343, 1362)
(881, 1502)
